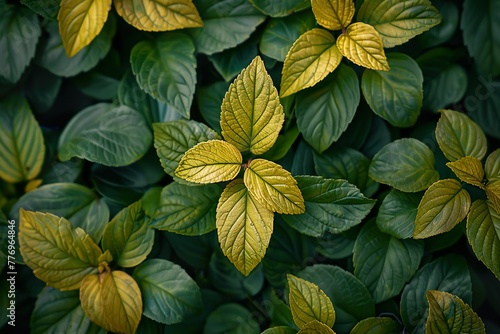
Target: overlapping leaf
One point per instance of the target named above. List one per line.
(315, 327)
(377, 325)
(397, 213)
(493, 193)
(280, 8)
(468, 169)
(333, 14)
(492, 165)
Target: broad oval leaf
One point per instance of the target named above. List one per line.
(244, 226)
(159, 15)
(398, 21)
(493, 193)
(274, 187)
(377, 325)
(406, 164)
(57, 253)
(492, 165)
(397, 95)
(45, 8)
(310, 59)
(361, 44)
(252, 114)
(169, 294)
(210, 162)
(397, 213)
(280, 8)
(80, 22)
(458, 136)
(315, 327)
(112, 136)
(469, 170)
(333, 14)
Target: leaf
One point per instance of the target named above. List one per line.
(325, 111)
(406, 164)
(231, 318)
(397, 95)
(483, 222)
(280, 8)
(210, 162)
(310, 59)
(252, 114)
(58, 254)
(315, 327)
(112, 136)
(308, 302)
(444, 31)
(361, 44)
(159, 15)
(469, 170)
(80, 22)
(244, 226)
(231, 61)
(331, 206)
(399, 21)
(492, 165)
(377, 325)
(112, 300)
(280, 330)
(45, 8)
(274, 187)
(20, 33)
(165, 67)
(482, 104)
(333, 14)
(169, 294)
(384, 263)
(397, 213)
(449, 314)
(21, 141)
(458, 136)
(493, 193)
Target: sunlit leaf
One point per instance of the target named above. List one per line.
(315, 327)
(377, 325)
(492, 165)
(333, 14)
(469, 170)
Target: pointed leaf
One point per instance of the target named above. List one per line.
(333, 14)
(362, 45)
(244, 226)
(308, 302)
(458, 136)
(378, 325)
(58, 254)
(492, 165)
(315, 327)
(159, 15)
(252, 114)
(469, 170)
(310, 59)
(210, 162)
(274, 187)
(493, 193)
(80, 22)
(397, 213)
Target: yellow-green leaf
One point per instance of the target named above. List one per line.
(468, 169)
(493, 193)
(315, 327)
(308, 302)
(310, 59)
(57, 253)
(362, 45)
(209, 162)
(443, 206)
(333, 14)
(450, 314)
(244, 226)
(80, 21)
(112, 300)
(274, 187)
(159, 15)
(251, 112)
(492, 165)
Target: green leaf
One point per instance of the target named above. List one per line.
(310, 59)
(231, 318)
(166, 68)
(280, 330)
(406, 164)
(57, 253)
(492, 165)
(252, 114)
(469, 170)
(483, 223)
(449, 314)
(230, 62)
(458, 136)
(209, 102)
(397, 95)
(384, 263)
(42, 88)
(20, 33)
(493, 193)
(333, 14)
(482, 104)
(397, 213)
(315, 327)
(331, 206)
(244, 226)
(159, 15)
(399, 21)
(21, 141)
(112, 136)
(45, 8)
(361, 44)
(444, 31)
(280, 8)
(283, 144)
(169, 294)
(378, 325)
(308, 302)
(325, 111)
(336, 246)
(226, 24)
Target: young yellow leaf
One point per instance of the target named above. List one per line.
(362, 45)
(333, 14)
(311, 58)
(80, 21)
(274, 187)
(210, 162)
(308, 302)
(159, 15)
(244, 226)
(469, 170)
(57, 253)
(492, 165)
(251, 112)
(315, 327)
(493, 193)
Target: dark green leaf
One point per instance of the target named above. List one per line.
(230, 62)
(231, 319)
(280, 8)
(444, 31)
(282, 145)
(396, 215)
(46, 8)
(209, 101)
(483, 104)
